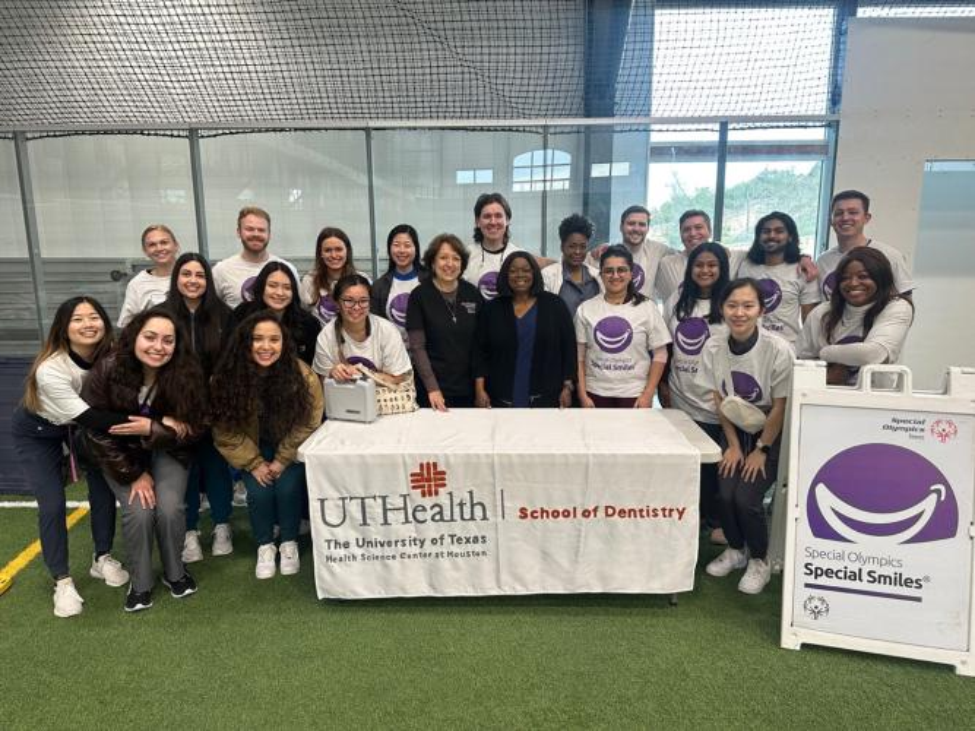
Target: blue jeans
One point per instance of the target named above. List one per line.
(211, 470)
(276, 504)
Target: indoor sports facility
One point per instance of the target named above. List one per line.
(363, 115)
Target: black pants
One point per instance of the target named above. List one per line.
(742, 502)
(710, 509)
(38, 443)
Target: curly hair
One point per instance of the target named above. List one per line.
(180, 386)
(277, 396)
(878, 267)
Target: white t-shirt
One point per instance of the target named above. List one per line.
(690, 389)
(318, 301)
(143, 291)
(382, 351)
(399, 297)
(618, 340)
(483, 267)
(234, 277)
(646, 261)
(673, 268)
(883, 343)
(830, 259)
(758, 376)
(59, 382)
(784, 290)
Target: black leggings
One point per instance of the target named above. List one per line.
(742, 502)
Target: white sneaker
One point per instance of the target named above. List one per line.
(265, 568)
(290, 563)
(223, 543)
(240, 494)
(192, 550)
(67, 600)
(756, 576)
(108, 570)
(731, 559)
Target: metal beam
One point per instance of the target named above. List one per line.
(199, 204)
(719, 182)
(370, 175)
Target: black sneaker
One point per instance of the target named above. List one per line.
(181, 588)
(136, 601)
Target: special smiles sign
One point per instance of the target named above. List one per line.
(883, 548)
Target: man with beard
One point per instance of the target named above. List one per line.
(235, 275)
(647, 253)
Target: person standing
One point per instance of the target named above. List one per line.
(150, 286)
(234, 276)
(492, 243)
(573, 279)
(645, 252)
(391, 292)
(333, 260)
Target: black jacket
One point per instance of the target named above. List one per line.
(380, 292)
(553, 356)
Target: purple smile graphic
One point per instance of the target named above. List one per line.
(745, 387)
(247, 289)
(829, 284)
(327, 309)
(397, 308)
(881, 494)
(356, 359)
(771, 294)
(488, 285)
(691, 335)
(639, 277)
(613, 334)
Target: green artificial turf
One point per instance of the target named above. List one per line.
(244, 653)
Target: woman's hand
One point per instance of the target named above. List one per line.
(136, 426)
(644, 401)
(344, 372)
(437, 402)
(263, 474)
(181, 428)
(142, 489)
(754, 464)
(276, 469)
(586, 402)
(565, 398)
(481, 399)
(730, 460)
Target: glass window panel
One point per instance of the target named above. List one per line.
(484, 176)
(560, 172)
(520, 175)
(18, 310)
(683, 173)
(538, 157)
(600, 170)
(523, 160)
(621, 169)
(94, 195)
(915, 10)
(465, 177)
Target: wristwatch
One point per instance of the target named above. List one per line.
(762, 447)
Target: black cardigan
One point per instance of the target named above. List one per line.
(553, 357)
(381, 288)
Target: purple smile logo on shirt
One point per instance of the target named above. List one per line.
(613, 334)
(691, 335)
(639, 277)
(829, 284)
(745, 387)
(881, 494)
(247, 289)
(488, 285)
(358, 359)
(771, 295)
(397, 308)
(327, 309)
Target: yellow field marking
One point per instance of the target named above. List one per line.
(8, 572)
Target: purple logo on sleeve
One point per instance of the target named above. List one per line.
(745, 387)
(691, 335)
(327, 309)
(829, 284)
(356, 359)
(247, 289)
(488, 285)
(771, 295)
(397, 308)
(881, 494)
(639, 277)
(613, 334)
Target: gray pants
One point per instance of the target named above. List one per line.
(167, 521)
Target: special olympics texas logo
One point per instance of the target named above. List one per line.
(397, 308)
(771, 294)
(745, 386)
(247, 289)
(639, 277)
(691, 335)
(327, 309)
(944, 430)
(881, 495)
(488, 285)
(429, 479)
(613, 334)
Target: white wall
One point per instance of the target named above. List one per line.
(909, 97)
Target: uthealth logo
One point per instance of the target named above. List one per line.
(429, 479)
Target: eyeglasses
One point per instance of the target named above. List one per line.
(620, 271)
(351, 304)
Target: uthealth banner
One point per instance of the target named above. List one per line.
(883, 549)
(492, 502)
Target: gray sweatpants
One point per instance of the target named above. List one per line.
(167, 521)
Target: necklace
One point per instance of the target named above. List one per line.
(451, 307)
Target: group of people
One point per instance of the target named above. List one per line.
(221, 370)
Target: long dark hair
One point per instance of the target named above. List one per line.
(690, 292)
(57, 342)
(403, 228)
(756, 254)
(345, 283)
(504, 287)
(320, 272)
(180, 389)
(619, 251)
(879, 269)
(241, 391)
(211, 314)
(291, 317)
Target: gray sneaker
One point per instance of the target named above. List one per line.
(108, 570)
(223, 544)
